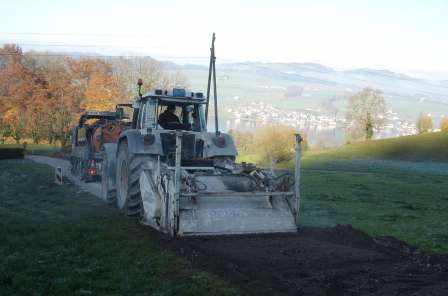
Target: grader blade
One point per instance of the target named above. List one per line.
(234, 213)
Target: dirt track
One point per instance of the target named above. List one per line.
(315, 261)
(93, 188)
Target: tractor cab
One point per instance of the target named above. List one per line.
(161, 113)
(172, 110)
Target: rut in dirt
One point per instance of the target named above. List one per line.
(318, 261)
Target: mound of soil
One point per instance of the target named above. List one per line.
(318, 261)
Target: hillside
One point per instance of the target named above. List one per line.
(240, 83)
(322, 77)
(427, 147)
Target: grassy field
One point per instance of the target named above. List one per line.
(55, 240)
(393, 187)
(41, 149)
(425, 147)
(408, 205)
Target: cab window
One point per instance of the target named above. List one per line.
(147, 118)
(81, 138)
(190, 116)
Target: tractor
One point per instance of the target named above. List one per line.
(94, 132)
(169, 172)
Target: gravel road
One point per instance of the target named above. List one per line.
(93, 188)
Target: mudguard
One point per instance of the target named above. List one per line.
(136, 144)
(212, 149)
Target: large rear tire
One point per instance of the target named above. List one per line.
(108, 192)
(129, 168)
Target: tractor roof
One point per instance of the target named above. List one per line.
(176, 95)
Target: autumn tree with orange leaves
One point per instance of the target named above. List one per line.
(96, 81)
(42, 96)
(22, 94)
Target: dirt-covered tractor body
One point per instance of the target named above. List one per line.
(183, 180)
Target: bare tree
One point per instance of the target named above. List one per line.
(424, 123)
(366, 112)
(444, 124)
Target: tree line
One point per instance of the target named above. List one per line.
(42, 95)
(425, 123)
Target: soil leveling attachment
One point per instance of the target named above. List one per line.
(215, 200)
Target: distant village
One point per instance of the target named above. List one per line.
(312, 122)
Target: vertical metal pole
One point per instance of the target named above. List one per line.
(215, 95)
(212, 50)
(297, 176)
(177, 181)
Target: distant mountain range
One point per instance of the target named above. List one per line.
(391, 83)
(270, 82)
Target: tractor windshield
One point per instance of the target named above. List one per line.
(184, 116)
(172, 115)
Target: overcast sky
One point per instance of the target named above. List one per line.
(407, 36)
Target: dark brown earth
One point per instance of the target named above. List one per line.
(318, 261)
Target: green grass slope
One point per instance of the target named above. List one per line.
(56, 240)
(425, 147)
(40, 149)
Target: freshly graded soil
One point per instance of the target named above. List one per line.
(318, 261)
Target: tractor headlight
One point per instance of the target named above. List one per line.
(148, 140)
(219, 141)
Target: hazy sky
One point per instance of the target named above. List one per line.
(405, 35)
